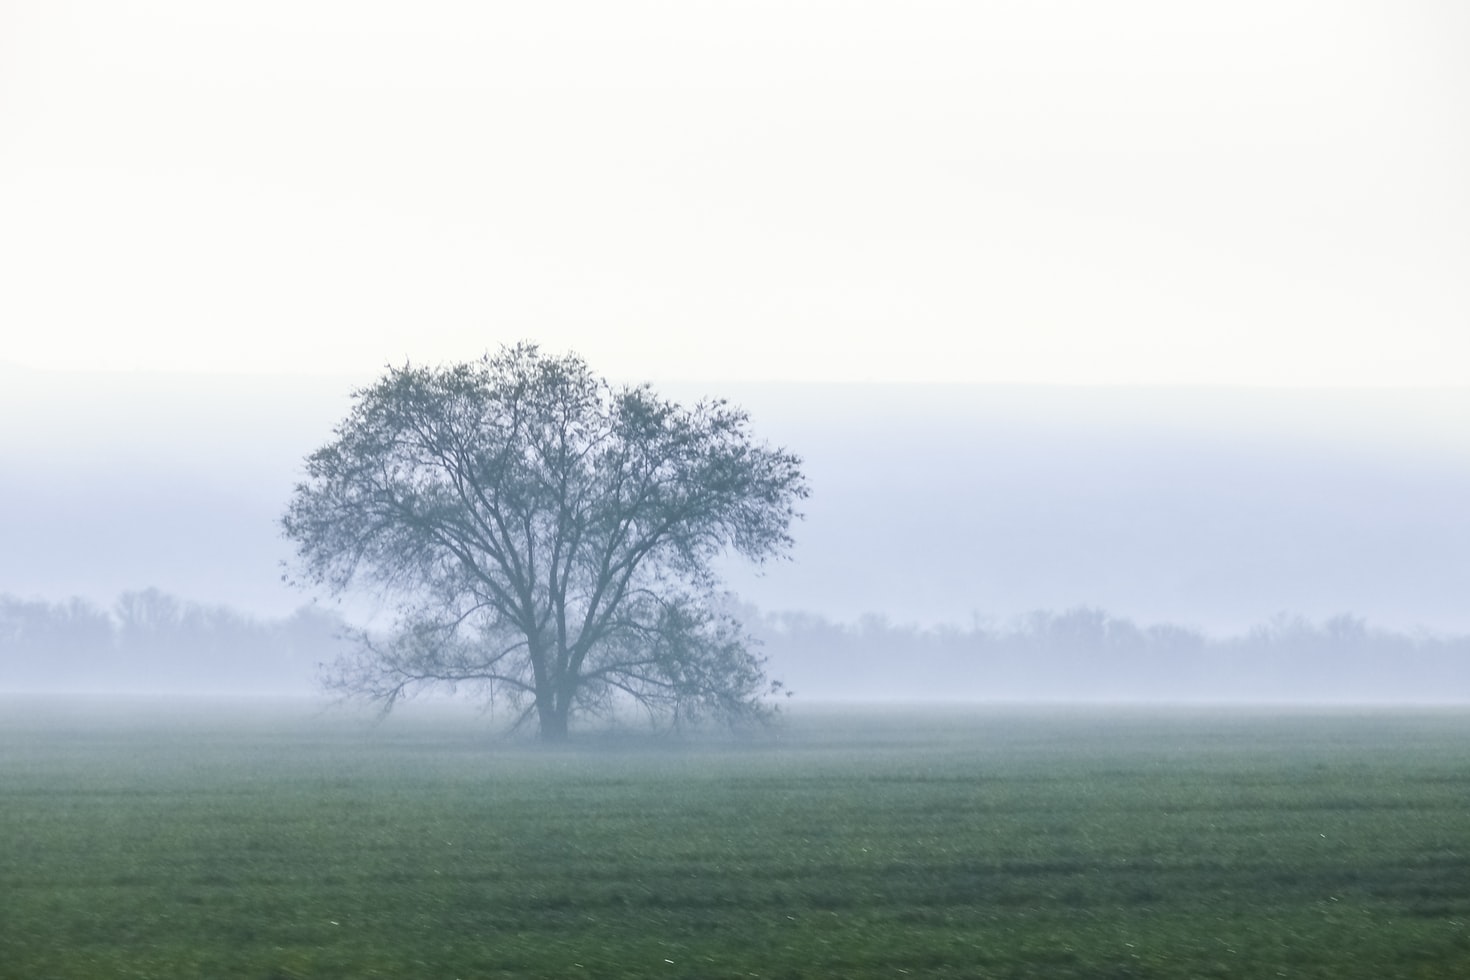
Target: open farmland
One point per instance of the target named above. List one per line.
(176, 839)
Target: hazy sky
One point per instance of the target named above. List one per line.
(713, 195)
(1260, 192)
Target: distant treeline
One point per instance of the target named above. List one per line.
(151, 642)
(1088, 654)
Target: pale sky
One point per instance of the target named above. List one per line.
(1264, 192)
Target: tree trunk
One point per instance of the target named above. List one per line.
(553, 719)
(551, 711)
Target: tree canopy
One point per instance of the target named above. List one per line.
(549, 538)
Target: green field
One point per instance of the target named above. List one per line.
(274, 841)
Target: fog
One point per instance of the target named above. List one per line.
(1213, 507)
(1014, 279)
(943, 521)
(152, 643)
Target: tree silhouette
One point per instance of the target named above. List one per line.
(549, 538)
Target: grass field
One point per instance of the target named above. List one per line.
(271, 841)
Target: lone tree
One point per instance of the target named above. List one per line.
(548, 538)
